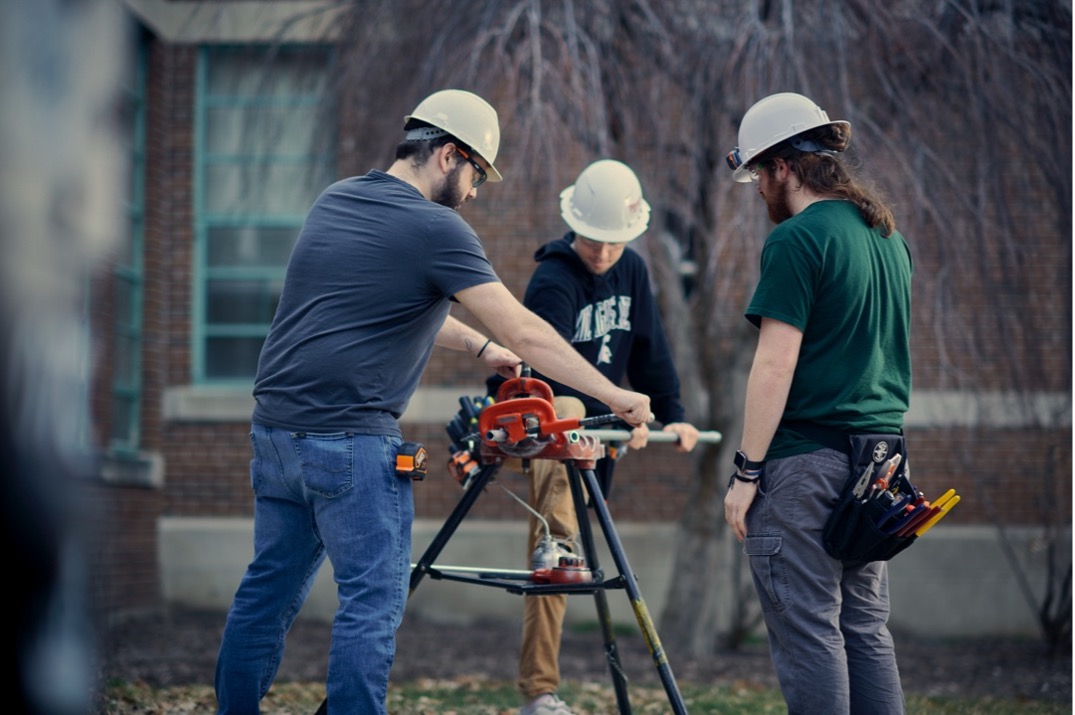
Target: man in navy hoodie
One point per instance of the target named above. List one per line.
(595, 291)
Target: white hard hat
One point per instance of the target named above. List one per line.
(605, 203)
(467, 117)
(771, 121)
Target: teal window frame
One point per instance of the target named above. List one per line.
(128, 274)
(209, 218)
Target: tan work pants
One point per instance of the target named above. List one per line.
(543, 616)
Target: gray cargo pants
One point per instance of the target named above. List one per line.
(828, 637)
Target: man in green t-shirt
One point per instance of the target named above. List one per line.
(833, 305)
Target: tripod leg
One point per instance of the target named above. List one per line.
(604, 616)
(451, 524)
(642, 615)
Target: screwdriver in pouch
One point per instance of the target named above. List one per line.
(900, 504)
(914, 513)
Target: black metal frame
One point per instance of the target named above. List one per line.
(519, 583)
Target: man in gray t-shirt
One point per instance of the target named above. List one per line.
(361, 308)
(366, 296)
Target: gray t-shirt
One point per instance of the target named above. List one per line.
(367, 289)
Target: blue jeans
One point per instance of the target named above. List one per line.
(318, 495)
(828, 637)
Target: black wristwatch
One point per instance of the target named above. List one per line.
(746, 466)
(745, 470)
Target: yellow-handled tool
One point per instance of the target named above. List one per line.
(945, 508)
(939, 501)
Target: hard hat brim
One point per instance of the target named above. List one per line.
(603, 235)
(493, 175)
(742, 174)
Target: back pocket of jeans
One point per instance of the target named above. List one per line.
(327, 461)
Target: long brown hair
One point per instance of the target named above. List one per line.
(828, 175)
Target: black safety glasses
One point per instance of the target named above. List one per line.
(482, 176)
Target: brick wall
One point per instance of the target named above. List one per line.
(125, 571)
(207, 463)
(1011, 477)
(1004, 476)
(122, 547)
(1015, 476)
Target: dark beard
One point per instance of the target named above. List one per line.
(448, 193)
(779, 210)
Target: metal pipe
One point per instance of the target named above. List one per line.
(619, 435)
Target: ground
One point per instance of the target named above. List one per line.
(179, 647)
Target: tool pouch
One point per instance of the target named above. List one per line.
(851, 533)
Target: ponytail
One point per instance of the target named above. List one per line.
(826, 174)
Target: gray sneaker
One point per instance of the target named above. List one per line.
(547, 704)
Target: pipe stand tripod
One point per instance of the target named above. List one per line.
(522, 425)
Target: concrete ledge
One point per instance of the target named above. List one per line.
(199, 403)
(432, 405)
(964, 408)
(956, 582)
(142, 469)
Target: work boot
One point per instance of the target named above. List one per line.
(547, 704)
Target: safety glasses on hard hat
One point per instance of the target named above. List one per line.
(482, 176)
(734, 159)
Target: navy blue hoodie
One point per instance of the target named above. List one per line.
(612, 320)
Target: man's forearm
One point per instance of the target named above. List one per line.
(534, 340)
(544, 349)
(767, 394)
(457, 335)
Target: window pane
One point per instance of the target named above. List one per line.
(126, 294)
(267, 150)
(231, 357)
(124, 373)
(125, 245)
(122, 427)
(242, 302)
(287, 73)
(251, 246)
(279, 131)
(263, 188)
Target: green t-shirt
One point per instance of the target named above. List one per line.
(848, 288)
